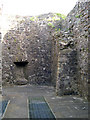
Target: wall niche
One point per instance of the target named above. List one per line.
(19, 73)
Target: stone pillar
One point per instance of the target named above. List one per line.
(66, 83)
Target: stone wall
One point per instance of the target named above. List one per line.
(54, 60)
(30, 41)
(73, 63)
(66, 83)
(47, 49)
(0, 67)
(0, 51)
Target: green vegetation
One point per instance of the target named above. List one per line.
(61, 15)
(78, 16)
(15, 40)
(18, 47)
(53, 18)
(82, 49)
(67, 29)
(9, 37)
(49, 20)
(16, 59)
(56, 17)
(51, 25)
(32, 18)
(57, 30)
(87, 49)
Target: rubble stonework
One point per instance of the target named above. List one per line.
(0, 51)
(49, 50)
(72, 73)
(29, 41)
(66, 66)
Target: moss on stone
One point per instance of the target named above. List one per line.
(51, 25)
(78, 16)
(61, 15)
(32, 18)
(15, 40)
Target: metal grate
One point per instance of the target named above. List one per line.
(38, 108)
(3, 106)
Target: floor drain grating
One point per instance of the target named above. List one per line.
(38, 108)
(3, 106)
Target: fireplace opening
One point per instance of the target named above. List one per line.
(21, 63)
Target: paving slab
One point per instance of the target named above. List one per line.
(62, 107)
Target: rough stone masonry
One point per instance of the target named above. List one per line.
(72, 72)
(29, 44)
(0, 53)
(49, 49)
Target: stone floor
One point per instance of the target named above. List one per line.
(62, 107)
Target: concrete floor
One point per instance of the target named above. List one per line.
(62, 107)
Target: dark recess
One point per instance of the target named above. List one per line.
(22, 63)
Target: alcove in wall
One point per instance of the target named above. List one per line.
(20, 78)
(21, 63)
